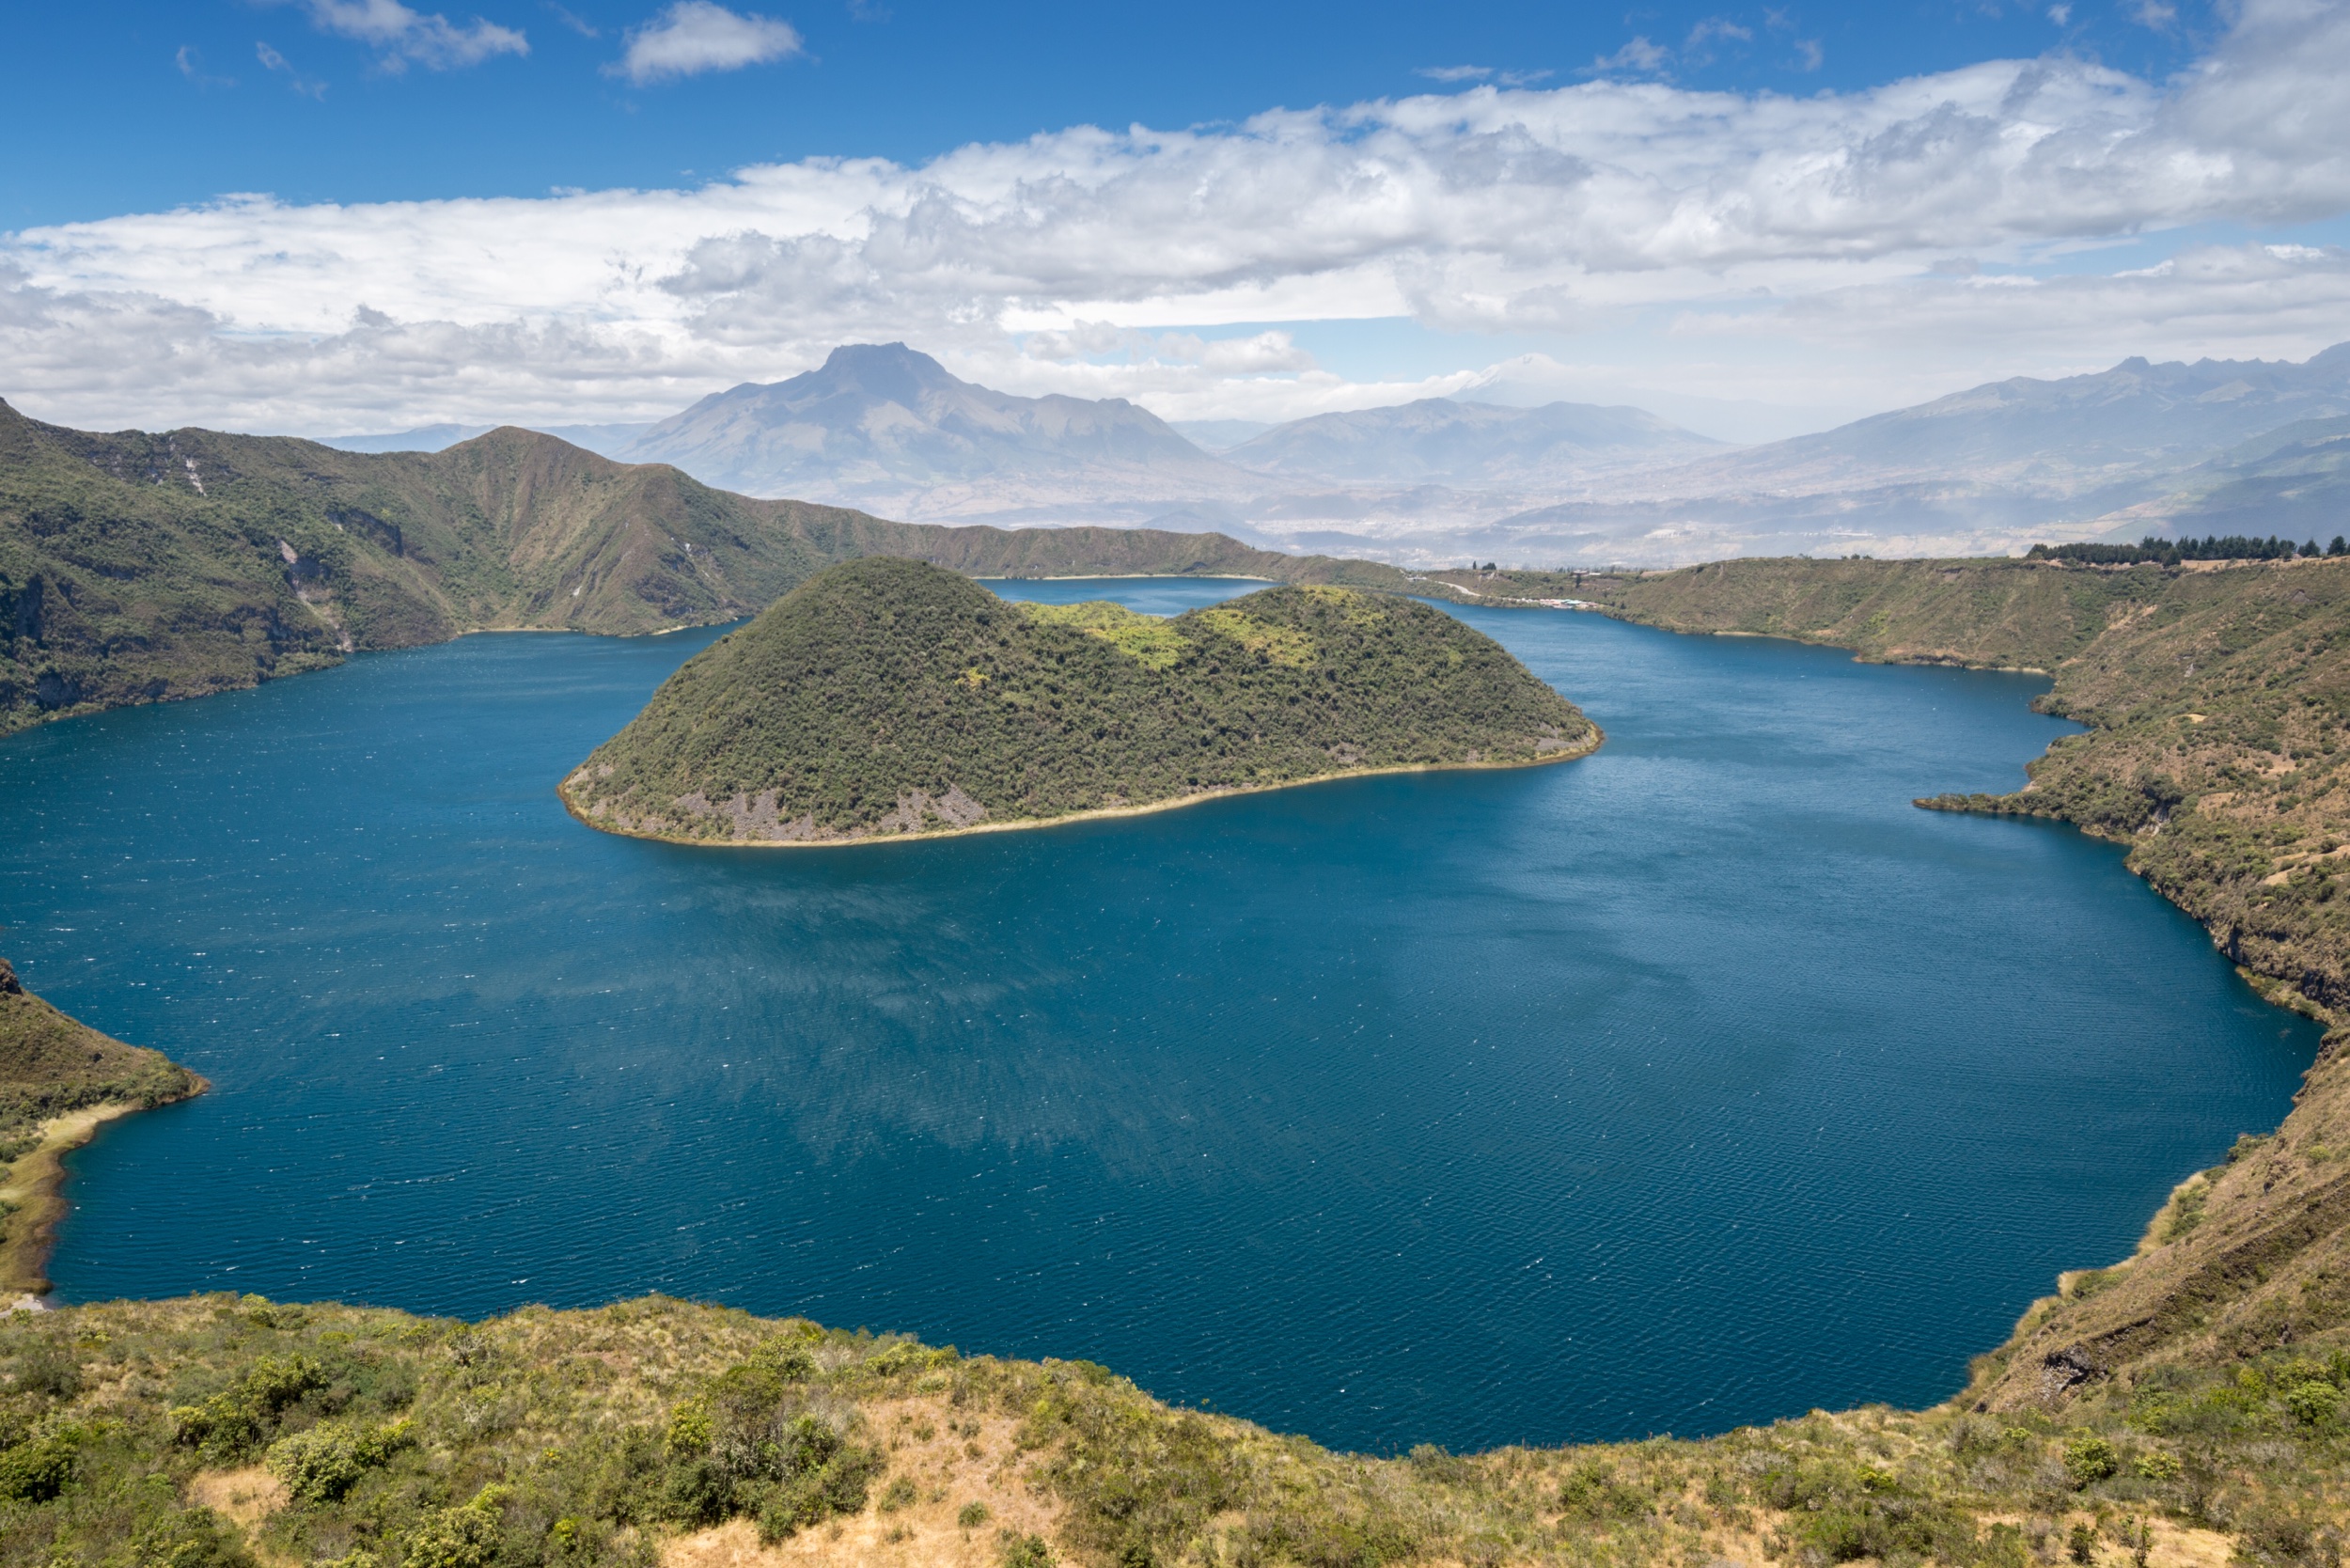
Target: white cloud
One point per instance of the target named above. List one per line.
(1637, 54)
(1455, 74)
(1729, 244)
(694, 36)
(309, 86)
(401, 35)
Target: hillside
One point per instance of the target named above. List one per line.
(219, 1432)
(138, 567)
(2295, 480)
(53, 1067)
(888, 696)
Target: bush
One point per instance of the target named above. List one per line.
(2089, 1459)
(230, 1425)
(2313, 1401)
(1027, 1551)
(194, 1539)
(468, 1537)
(971, 1516)
(323, 1463)
(36, 1471)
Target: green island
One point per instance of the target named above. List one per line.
(145, 567)
(2188, 1407)
(891, 698)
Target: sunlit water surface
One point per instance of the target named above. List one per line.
(1702, 1081)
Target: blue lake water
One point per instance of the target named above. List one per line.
(1699, 1082)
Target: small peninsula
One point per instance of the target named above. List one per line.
(890, 699)
(58, 1079)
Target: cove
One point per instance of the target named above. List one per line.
(1699, 1082)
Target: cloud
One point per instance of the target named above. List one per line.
(309, 86)
(1454, 73)
(190, 63)
(401, 37)
(1749, 240)
(1808, 54)
(696, 36)
(1637, 54)
(576, 23)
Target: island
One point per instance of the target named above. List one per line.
(889, 699)
(59, 1078)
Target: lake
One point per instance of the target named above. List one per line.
(1699, 1082)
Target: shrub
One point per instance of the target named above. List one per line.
(193, 1539)
(2089, 1459)
(2157, 1466)
(468, 1537)
(323, 1463)
(2080, 1545)
(971, 1516)
(226, 1427)
(36, 1471)
(2313, 1401)
(900, 1495)
(1027, 1551)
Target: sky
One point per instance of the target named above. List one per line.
(326, 217)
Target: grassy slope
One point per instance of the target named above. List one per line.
(206, 1433)
(886, 693)
(138, 567)
(50, 1066)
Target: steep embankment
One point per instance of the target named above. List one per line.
(2218, 750)
(138, 567)
(888, 698)
(59, 1079)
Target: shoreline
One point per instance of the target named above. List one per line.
(1103, 813)
(36, 1184)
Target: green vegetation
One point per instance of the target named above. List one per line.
(52, 1066)
(221, 1432)
(890, 696)
(138, 567)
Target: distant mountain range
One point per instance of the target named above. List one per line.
(1439, 442)
(2142, 446)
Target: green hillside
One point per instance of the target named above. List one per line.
(220, 1432)
(888, 696)
(138, 567)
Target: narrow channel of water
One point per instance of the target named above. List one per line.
(1699, 1082)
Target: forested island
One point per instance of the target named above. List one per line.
(890, 699)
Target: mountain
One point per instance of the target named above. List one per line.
(1990, 470)
(882, 426)
(2058, 438)
(2294, 481)
(1437, 441)
(891, 698)
(605, 440)
(138, 567)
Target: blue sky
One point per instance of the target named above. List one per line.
(342, 214)
(125, 105)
